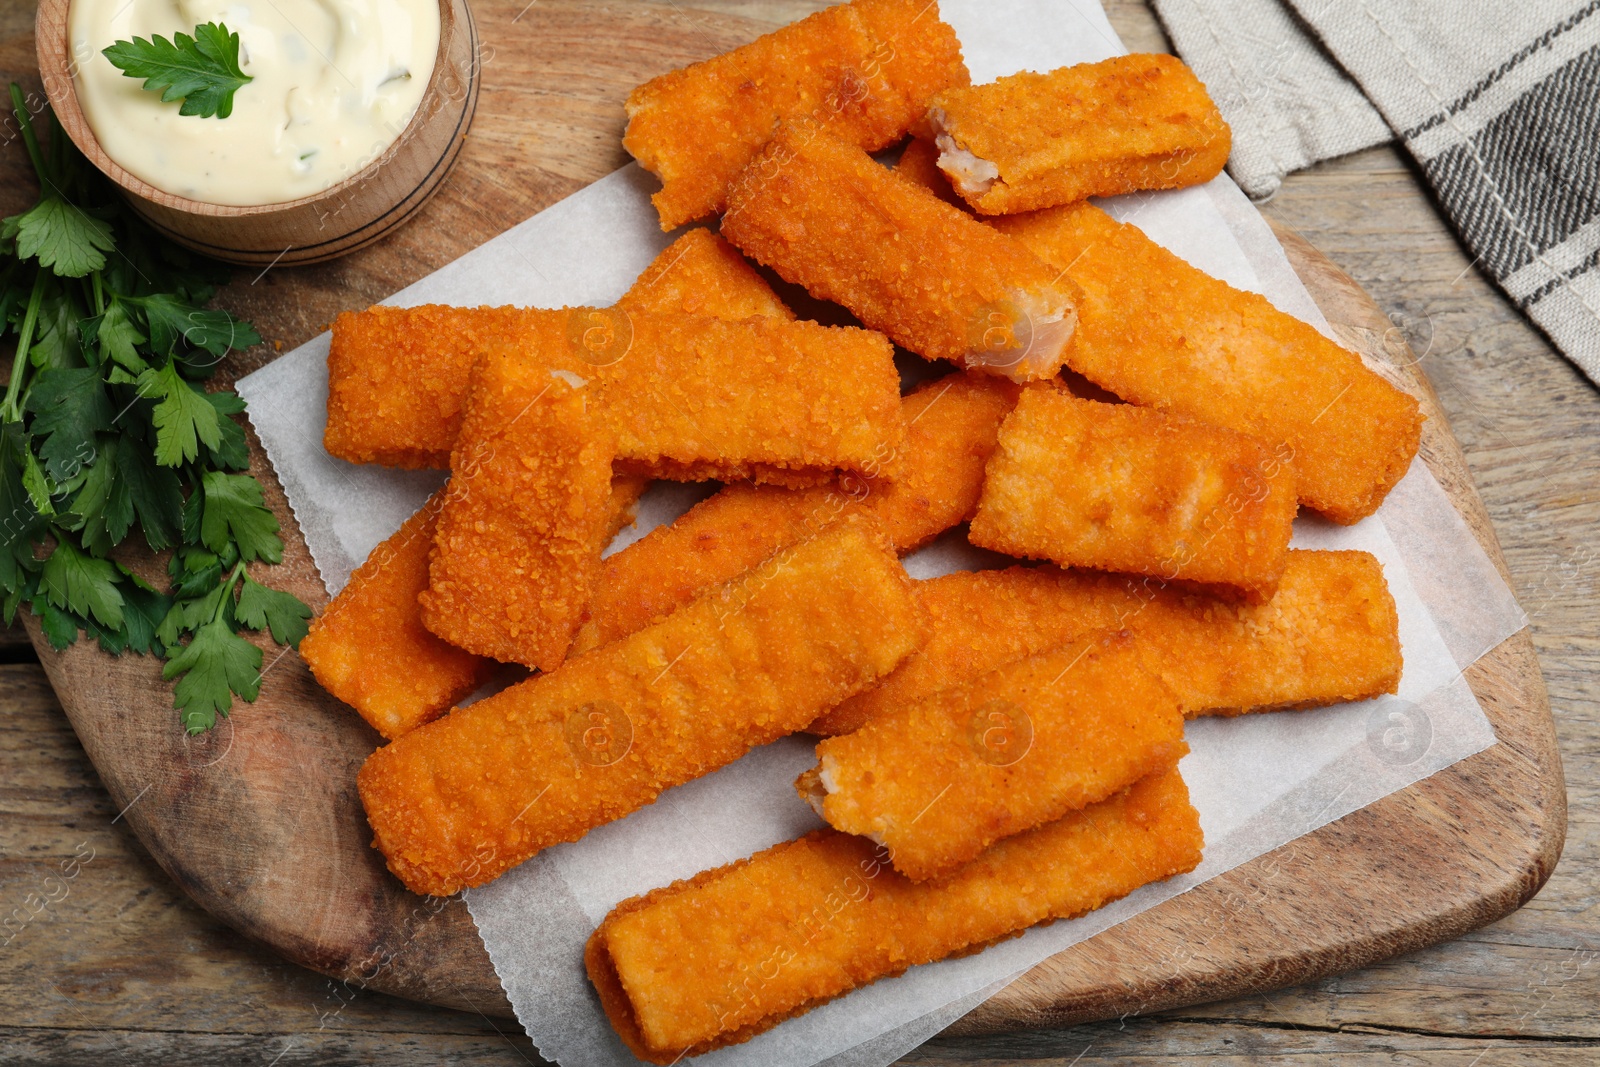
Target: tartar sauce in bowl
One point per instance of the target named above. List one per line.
(334, 84)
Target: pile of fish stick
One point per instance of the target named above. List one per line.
(997, 748)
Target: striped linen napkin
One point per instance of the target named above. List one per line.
(1499, 102)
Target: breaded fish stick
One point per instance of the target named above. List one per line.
(1330, 634)
(525, 517)
(1123, 488)
(397, 380)
(939, 781)
(824, 215)
(863, 71)
(718, 958)
(397, 377)
(1157, 332)
(766, 399)
(702, 274)
(951, 427)
(459, 801)
(1031, 141)
(370, 649)
(693, 398)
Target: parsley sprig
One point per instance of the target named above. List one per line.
(203, 70)
(104, 430)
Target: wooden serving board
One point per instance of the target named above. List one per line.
(260, 823)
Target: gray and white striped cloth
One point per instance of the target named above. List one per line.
(1498, 101)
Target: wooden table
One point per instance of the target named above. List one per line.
(115, 964)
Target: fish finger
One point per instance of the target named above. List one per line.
(939, 781)
(717, 959)
(1330, 634)
(951, 425)
(370, 649)
(826, 216)
(1155, 331)
(397, 377)
(863, 71)
(461, 800)
(1124, 488)
(1030, 140)
(525, 517)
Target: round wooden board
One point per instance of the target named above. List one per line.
(260, 823)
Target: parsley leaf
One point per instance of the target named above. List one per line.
(171, 320)
(155, 491)
(37, 485)
(233, 511)
(118, 337)
(69, 407)
(142, 613)
(215, 664)
(59, 628)
(233, 452)
(19, 517)
(82, 584)
(58, 343)
(193, 571)
(104, 425)
(261, 607)
(183, 416)
(202, 70)
(66, 240)
(104, 506)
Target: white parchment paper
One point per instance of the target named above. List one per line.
(1258, 781)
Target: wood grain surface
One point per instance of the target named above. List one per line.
(96, 969)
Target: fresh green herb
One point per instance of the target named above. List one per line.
(203, 70)
(104, 431)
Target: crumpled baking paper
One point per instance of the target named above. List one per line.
(1258, 781)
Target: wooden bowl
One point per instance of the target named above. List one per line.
(340, 219)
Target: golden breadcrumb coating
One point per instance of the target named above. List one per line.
(702, 274)
(397, 380)
(753, 399)
(370, 649)
(718, 958)
(692, 398)
(525, 516)
(1031, 141)
(824, 215)
(940, 780)
(626, 489)
(863, 71)
(397, 377)
(1330, 634)
(1124, 488)
(951, 427)
(461, 800)
(1156, 331)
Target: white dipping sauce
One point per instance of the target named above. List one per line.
(335, 83)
